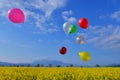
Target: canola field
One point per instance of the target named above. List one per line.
(61, 73)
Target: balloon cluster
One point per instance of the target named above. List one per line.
(16, 15)
(70, 29)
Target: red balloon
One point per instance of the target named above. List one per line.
(83, 23)
(63, 50)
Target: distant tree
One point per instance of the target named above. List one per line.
(2, 65)
(9, 65)
(28, 65)
(50, 65)
(17, 65)
(13, 65)
(41, 65)
(58, 65)
(97, 65)
(71, 65)
(22, 65)
(81, 66)
(37, 65)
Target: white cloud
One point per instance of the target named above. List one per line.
(40, 40)
(116, 15)
(56, 41)
(68, 41)
(38, 58)
(67, 13)
(15, 60)
(107, 37)
(52, 30)
(103, 16)
(69, 19)
(67, 16)
(45, 8)
(24, 45)
(6, 5)
(3, 41)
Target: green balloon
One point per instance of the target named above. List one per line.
(72, 29)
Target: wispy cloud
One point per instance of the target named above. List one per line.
(53, 30)
(67, 16)
(3, 41)
(6, 5)
(68, 41)
(15, 60)
(107, 37)
(40, 40)
(37, 58)
(24, 45)
(116, 16)
(45, 8)
(67, 13)
(103, 16)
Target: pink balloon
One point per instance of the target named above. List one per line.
(16, 15)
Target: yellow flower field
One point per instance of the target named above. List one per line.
(62, 73)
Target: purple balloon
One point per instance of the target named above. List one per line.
(16, 15)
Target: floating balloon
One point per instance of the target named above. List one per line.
(83, 23)
(16, 15)
(85, 56)
(63, 50)
(72, 29)
(80, 40)
(66, 27)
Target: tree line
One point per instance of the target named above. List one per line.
(50, 65)
(37, 65)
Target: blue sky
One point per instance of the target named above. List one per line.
(41, 35)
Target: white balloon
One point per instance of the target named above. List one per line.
(66, 27)
(80, 40)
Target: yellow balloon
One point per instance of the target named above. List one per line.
(85, 56)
